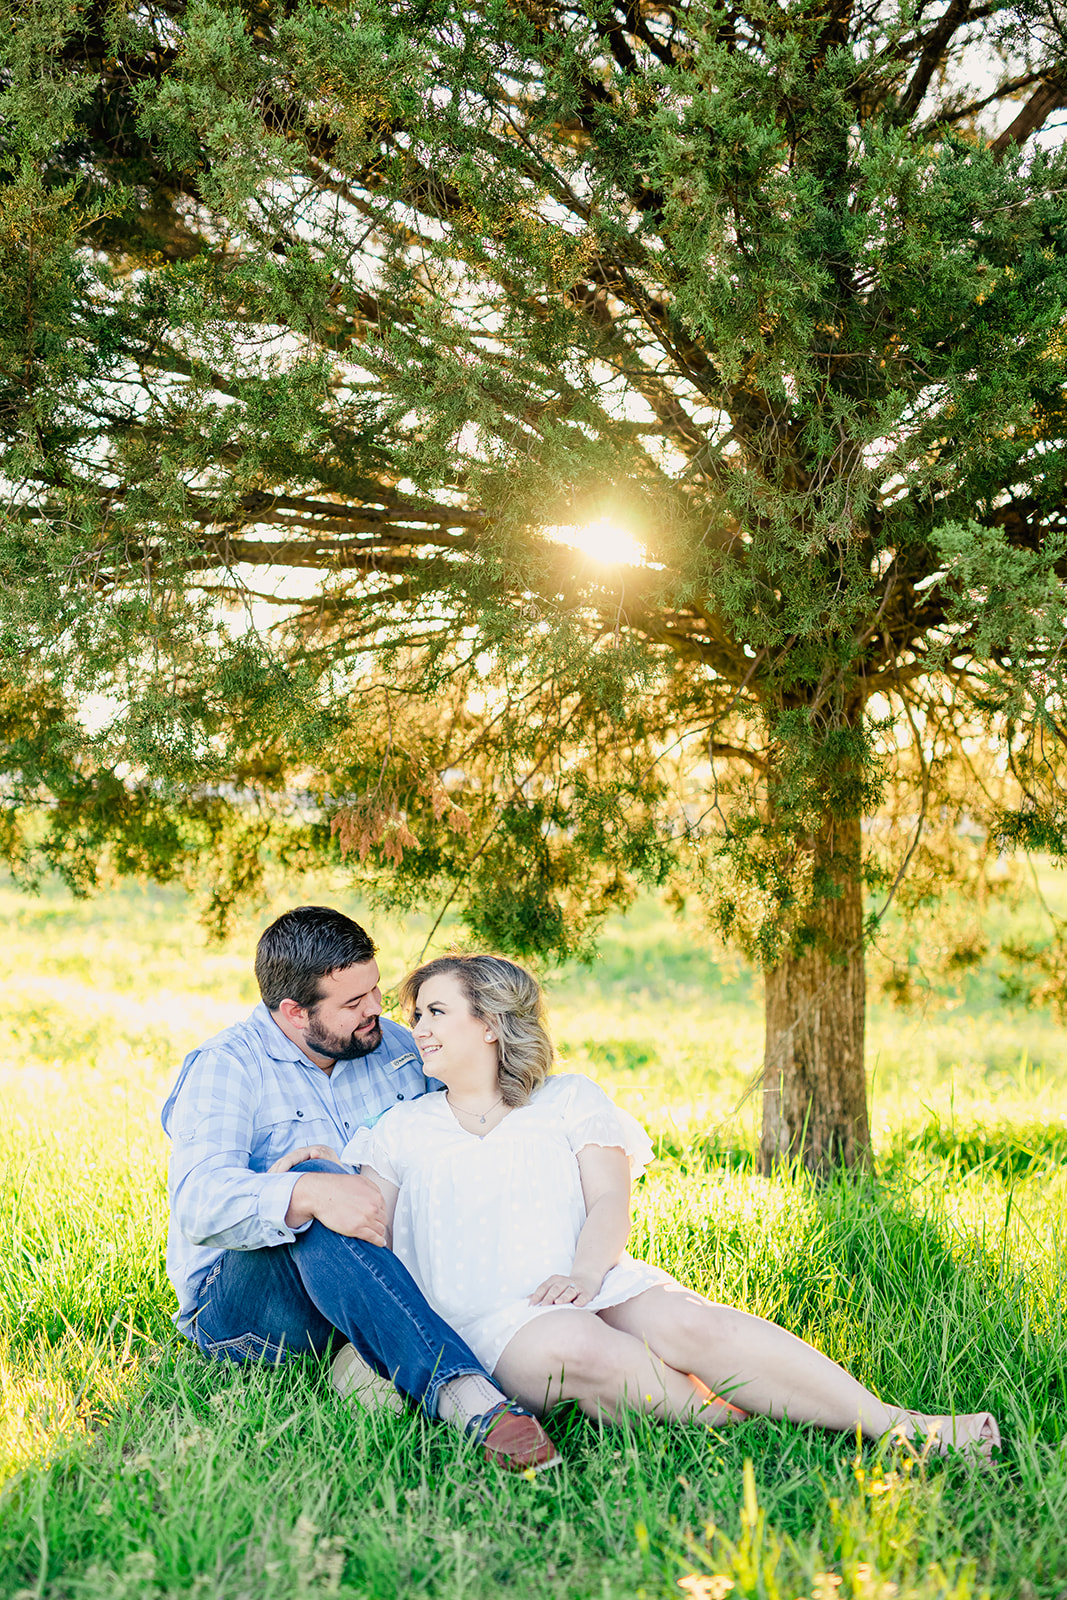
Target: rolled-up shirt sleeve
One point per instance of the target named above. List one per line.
(217, 1198)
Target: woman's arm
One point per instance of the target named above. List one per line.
(389, 1193)
(606, 1186)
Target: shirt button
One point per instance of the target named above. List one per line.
(346, 1124)
(300, 1113)
(400, 1097)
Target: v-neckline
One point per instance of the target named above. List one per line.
(481, 1137)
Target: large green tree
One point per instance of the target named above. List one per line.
(321, 320)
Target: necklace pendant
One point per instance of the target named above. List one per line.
(483, 1119)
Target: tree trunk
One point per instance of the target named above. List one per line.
(814, 1083)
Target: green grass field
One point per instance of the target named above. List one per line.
(133, 1468)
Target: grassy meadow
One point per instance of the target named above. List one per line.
(133, 1468)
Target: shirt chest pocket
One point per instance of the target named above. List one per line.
(287, 1125)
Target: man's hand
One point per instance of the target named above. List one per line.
(307, 1152)
(577, 1289)
(341, 1201)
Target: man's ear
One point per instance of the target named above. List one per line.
(295, 1016)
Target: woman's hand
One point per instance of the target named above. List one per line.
(574, 1289)
(309, 1152)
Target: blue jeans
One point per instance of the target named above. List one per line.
(290, 1299)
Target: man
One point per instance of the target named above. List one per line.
(269, 1263)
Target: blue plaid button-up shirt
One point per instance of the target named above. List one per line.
(242, 1100)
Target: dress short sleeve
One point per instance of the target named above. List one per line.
(377, 1147)
(591, 1117)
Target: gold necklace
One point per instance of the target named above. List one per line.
(480, 1115)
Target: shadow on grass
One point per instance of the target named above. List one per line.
(1011, 1150)
(949, 1322)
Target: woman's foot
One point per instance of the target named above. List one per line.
(973, 1433)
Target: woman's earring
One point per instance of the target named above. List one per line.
(490, 1038)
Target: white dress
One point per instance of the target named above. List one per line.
(480, 1222)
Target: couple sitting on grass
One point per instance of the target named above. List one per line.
(476, 1260)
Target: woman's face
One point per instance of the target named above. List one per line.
(451, 1039)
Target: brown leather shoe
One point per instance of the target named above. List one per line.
(511, 1438)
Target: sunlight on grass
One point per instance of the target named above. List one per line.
(36, 1414)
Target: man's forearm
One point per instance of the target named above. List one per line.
(217, 1203)
(341, 1201)
(302, 1202)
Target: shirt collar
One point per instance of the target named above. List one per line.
(275, 1043)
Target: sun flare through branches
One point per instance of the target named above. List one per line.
(603, 541)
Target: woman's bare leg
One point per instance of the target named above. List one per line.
(575, 1355)
(768, 1370)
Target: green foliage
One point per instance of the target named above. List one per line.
(320, 322)
(372, 300)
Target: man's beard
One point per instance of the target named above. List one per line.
(331, 1044)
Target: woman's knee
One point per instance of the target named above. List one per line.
(696, 1318)
(591, 1357)
(574, 1345)
(672, 1328)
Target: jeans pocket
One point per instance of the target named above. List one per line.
(212, 1275)
(245, 1347)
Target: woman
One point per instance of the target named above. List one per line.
(508, 1195)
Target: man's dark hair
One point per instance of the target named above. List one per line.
(301, 947)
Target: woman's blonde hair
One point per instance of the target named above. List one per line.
(508, 1000)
